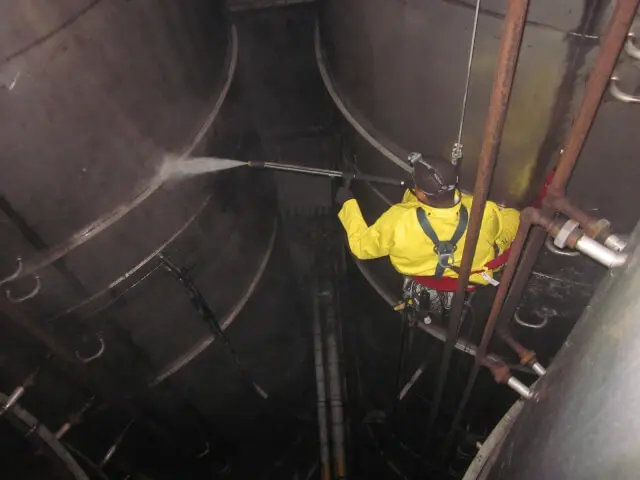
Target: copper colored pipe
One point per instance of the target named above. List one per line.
(610, 48)
(528, 217)
(597, 228)
(498, 106)
(612, 43)
(526, 356)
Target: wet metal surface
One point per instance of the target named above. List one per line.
(105, 91)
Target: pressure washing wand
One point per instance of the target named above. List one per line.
(321, 172)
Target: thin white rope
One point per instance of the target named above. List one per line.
(456, 154)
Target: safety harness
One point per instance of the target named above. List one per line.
(444, 249)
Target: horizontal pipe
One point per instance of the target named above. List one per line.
(600, 253)
(520, 388)
(539, 369)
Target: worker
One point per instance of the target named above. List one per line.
(424, 234)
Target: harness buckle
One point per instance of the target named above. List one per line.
(445, 251)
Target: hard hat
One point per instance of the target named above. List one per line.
(435, 176)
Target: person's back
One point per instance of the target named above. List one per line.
(410, 241)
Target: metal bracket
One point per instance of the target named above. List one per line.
(456, 153)
(15, 274)
(522, 323)
(618, 94)
(630, 47)
(205, 452)
(29, 295)
(96, 355)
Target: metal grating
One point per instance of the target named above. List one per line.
(242, 5)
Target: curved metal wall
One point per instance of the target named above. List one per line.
(96, 93)
(398, 68)
(581, 422)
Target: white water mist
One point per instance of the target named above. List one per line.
(176, 168)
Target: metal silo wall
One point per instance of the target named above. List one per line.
(96, 93)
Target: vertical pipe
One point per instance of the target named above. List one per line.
(611, 46)
(318, 355)
(527, 218)
(503, 81)
(612, 43)
(335, 390)
(516, 248)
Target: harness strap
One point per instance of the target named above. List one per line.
(444, 249)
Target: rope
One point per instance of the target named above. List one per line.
(456, 154)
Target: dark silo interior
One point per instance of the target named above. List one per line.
(179, 297)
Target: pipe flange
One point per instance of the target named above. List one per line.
(619, 94)
(565, 231)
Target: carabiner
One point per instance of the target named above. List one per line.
(449, 260)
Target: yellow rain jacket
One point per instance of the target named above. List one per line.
(398, 234)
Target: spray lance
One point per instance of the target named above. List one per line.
(174, 168)
(321, 172)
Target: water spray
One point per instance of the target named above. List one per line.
(177, 168)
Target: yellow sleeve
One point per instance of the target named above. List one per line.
(367, 242)
(509, 222)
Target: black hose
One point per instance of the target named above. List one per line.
(205, 312)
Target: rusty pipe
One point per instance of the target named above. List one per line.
(526, 356)
(596, 228)
(610, 48)
(494, 126)
(529, 216)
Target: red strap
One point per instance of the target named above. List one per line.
(499, 261)
(442, 284)
(448, 284)
(537, 202)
